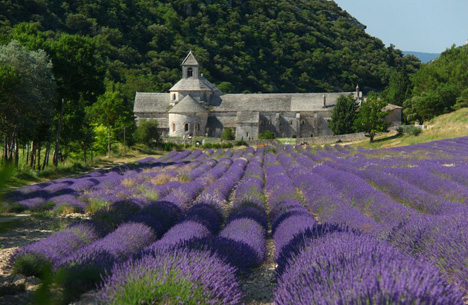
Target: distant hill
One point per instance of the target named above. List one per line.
(242, 45)
(423, 57)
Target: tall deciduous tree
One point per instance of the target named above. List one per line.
(343, 115)
(27, 108)
(370, 117)
(112, 111)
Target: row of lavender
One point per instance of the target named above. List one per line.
(188, 219)
(397, 201)
(349, 226)
(83, 193)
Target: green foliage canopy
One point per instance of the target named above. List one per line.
(439, 87)
(147, 133)
(228, 134)
(343, 115)
(370, 117)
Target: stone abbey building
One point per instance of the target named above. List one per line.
(195, 107)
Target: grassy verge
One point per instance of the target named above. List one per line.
(447, 126)
(25, 175)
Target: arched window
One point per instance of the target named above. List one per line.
(186, 126)
(189, 72)
(198, 127)
(291, 122)
(302, 122)
(174, 97)
(173, 127)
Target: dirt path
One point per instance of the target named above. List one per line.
(258, 284)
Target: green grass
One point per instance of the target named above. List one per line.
(284, 141)
(151, 289)
(447, 126)
(24, 175)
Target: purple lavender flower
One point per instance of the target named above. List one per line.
(181, 276)
(37, 258)
(82, 270)
(348, 268)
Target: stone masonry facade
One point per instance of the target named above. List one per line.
(195, 107)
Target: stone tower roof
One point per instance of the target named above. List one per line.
(188, 105)
(190, 60)
(195, 84)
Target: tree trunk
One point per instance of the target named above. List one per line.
(57, 137)
(5, 150)
(108, 142)
(33, 155)
(27, 153)
(46, 156)
(39, 156)
(84, 152)
(16, 153)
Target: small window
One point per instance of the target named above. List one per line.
(291, 122)
(186, 126)
(302, 122)
(198, 127)
(173, 127)
(189, 72)
(311, 135)
(247, 134)
(174, 97)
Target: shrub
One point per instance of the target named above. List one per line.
(228, 134)
(411, 130)
(240, 143)
(267, 135)
(147, 133)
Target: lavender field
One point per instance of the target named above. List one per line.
(348, 226)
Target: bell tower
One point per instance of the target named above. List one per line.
(190, 67)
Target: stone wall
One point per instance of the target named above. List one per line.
(316, 140)
(310, 141)
(187, 124)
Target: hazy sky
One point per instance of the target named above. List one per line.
(413, 25)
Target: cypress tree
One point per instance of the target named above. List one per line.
(343, 115)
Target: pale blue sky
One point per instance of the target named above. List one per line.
(413, 25)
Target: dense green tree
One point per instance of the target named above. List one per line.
(438, 87)
(147, 133)
(111, 111)
(253, 45)
(26, 107)
(370, 117)
(462, 100)
(266, 135)
(343, 115)
(228, 134)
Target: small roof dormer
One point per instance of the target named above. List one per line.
(190, 66)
